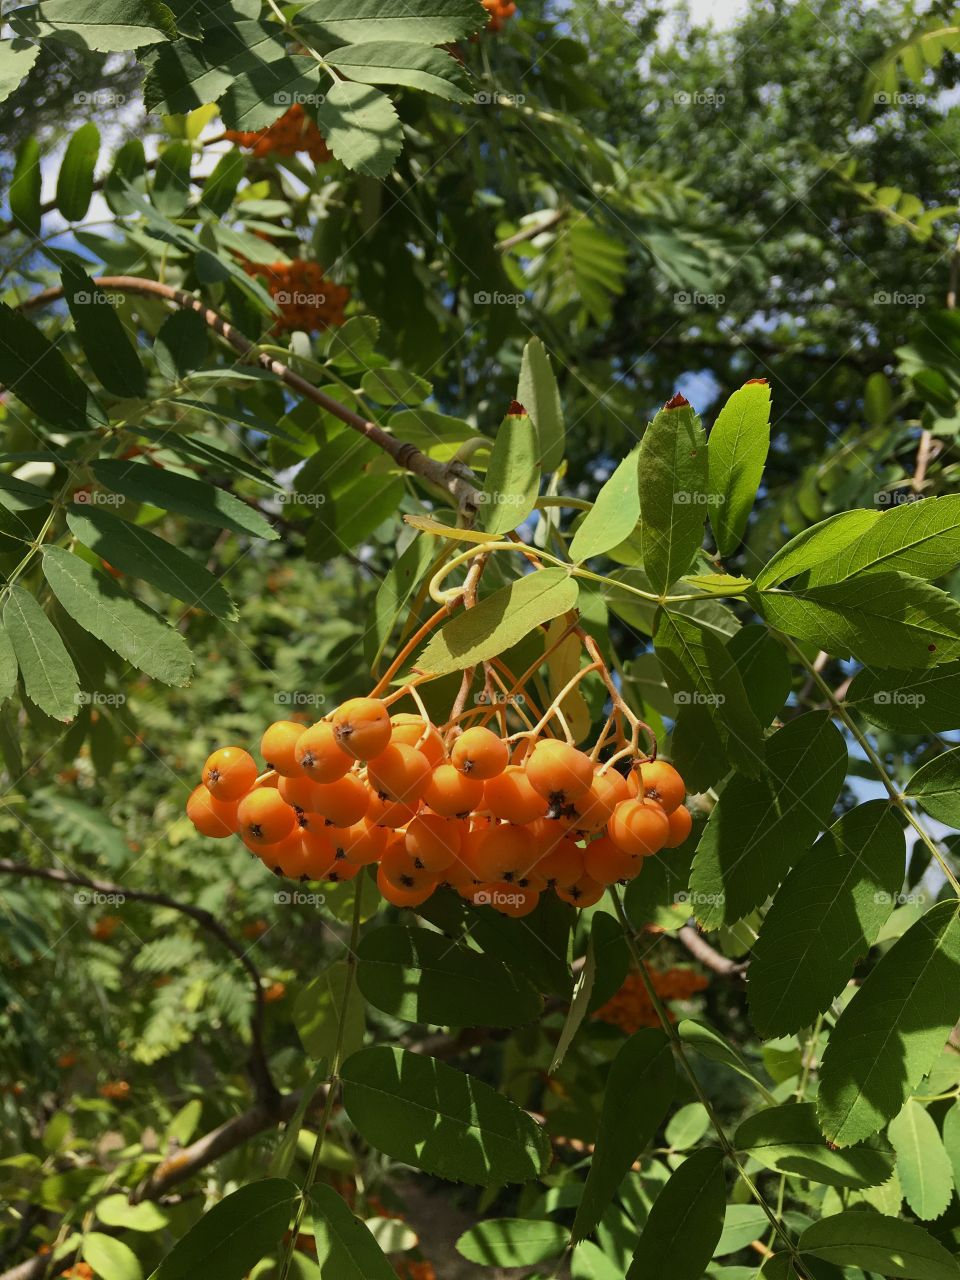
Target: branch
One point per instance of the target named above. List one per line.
(690, 937)
(266, 1091)
(453, 478)
(532, 231)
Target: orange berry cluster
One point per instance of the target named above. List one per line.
(306, 298)
(293, 132)
(499, 11)
(631, 1008)
(362, 787)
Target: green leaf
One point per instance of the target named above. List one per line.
(936, 787)
(429, 22)
(951, 1140)
(539, 394)
(8, 666)
(128, 171)
(788, 1139)
(512, 482)
(16, 59)
(580, 1002)
(117, 1211)
(764, 670)
(512, 1242)
(639, 1089)
(421, 976)
(685, 1221)
(123, 624)
(24, 193)
(499, 621)
(361, 127)
(171, 178)
(614, 515)
(262, 88)
(320, 1006)
(50, 679)
(827, 915)
(873, 1242)
(742, 1224)
(760, 827)
(911, 702)
(180, 345)
(196, 499)
(345, 1247)
(221, 186)
(737, 447)
(400, 62)
(134, 550)
(817, 543)
(75, 179)
(673, 489)
(104, 25)
(394, 386)
(891, 1032)
(687, 1126)
(234, 1235)
(110, 1258)
(103, 336)
(37, 373)
(918, 538)
(882, 619)
(426, 1114)
(923, 1166)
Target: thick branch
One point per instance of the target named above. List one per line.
(454, 477)
(532, 230)
(266, 1091)
(711, 959)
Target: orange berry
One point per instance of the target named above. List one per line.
(278, 747)
(210, 816)
(605, 863)
(284, 858)
(582, 893)
(452, 794)
(319, 853)
(594, 810)
(265, 817)
(504, 852)
(480, 754)
(507, 898)
(403, 897)
(361, 843)
(399, 773)
(343, 802)
(661, 782)
(400, 869)
(342, 870)
(510, 796)
(434, 842)
(298, 791)
(409, 729)
(319, 756)
(229, 773)
(390, 813)
(362, 727)
(681, 824)
(548, 832)
(638, 827)
(560, 773)
(562, 865)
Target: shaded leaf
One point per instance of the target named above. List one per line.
(685, 1221)
(737, 448)
(787, 1138)
(50, 679)
(673, 487)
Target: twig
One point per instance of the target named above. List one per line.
(266, 1091)
(708, 956)
(531, 231)
(454, 478)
